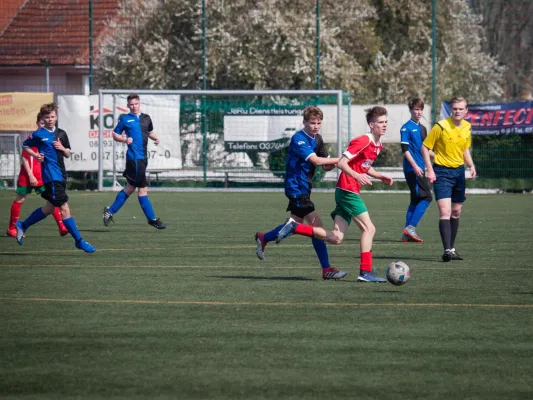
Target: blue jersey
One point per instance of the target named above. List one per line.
(300, 171)
(136, 127)
(53, 166)
(413, 134)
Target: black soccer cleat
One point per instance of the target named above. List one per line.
(156, 223)
(108, 216)
(455, 256)
(447, 256)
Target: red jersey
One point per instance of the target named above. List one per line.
(35, 167)
(362, 151)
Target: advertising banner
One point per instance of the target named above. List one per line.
(497, 118)
(18, 111)
(78, 116)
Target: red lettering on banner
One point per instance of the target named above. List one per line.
(5, 100)
(475, 116)
(507, 120)
(517, 116)
(497, 116)
(529, 116)
(487, 117)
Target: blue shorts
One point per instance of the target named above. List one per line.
(450, 183)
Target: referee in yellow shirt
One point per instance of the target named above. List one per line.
(450, 140)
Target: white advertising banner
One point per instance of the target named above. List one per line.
(263, 129)
(78, 116)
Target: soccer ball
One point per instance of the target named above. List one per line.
(398, 273)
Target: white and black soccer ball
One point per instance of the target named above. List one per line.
(398, 273)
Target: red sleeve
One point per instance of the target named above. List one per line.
(356, 146)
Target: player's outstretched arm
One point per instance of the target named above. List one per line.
(316, 160)
(38, 156)
(383, 178)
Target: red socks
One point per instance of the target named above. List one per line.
(304, 230)
(366, 261)
(15, 214)
(59, 219)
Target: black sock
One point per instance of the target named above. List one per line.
(445, 233)
(454, 225)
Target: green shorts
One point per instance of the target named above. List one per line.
(348, 205)
(25, 190)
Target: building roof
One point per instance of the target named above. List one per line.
(55, 32)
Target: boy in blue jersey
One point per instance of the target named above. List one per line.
(306, 152)
(52, 146)
(134, 129)
(412, 135)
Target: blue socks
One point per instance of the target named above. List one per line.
(35, 216)
(147, 208)
(119, 202)
(70, 224)
(409, 214)
(418, 213)
(273, 234)
(322, 252)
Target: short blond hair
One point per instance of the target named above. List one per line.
(458, 100)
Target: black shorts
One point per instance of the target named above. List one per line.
(135, 173)
(419, 187)
(301, 206)
(55, 192)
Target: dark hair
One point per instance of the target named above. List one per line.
(417, 102)
(133, 96)
(312, 111)
(39, 118)
(47, 109)
(374, 113)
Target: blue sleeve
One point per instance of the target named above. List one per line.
(301, 147)
(32, 141)
(120, 126)
(405, 135)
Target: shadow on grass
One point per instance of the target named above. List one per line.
(270, 278)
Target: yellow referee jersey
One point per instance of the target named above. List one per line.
(449, 142)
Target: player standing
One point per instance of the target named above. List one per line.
(52, 146)
(29, 179)
(356, 165)
(306, 152)
(412, 135)
(134, 129)
(450, 140)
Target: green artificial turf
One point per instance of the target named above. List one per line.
(191, 313)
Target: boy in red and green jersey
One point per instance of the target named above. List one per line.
(356, 167)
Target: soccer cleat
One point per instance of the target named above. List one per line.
(410, 231)
(86, 247)
(455, 256)
(370, 276)
(447, 256)
(108, 216)
(20, 232)
(332, 273)
(156, 223)
(287, 230)
(406, 238)
(261, 244)
(12, 232)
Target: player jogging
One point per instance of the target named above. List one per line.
(412, 135)
(356, 166)
(306, 152)
(134, 129)
(52, 146)
(29, 179)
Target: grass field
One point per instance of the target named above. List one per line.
(190, 312)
